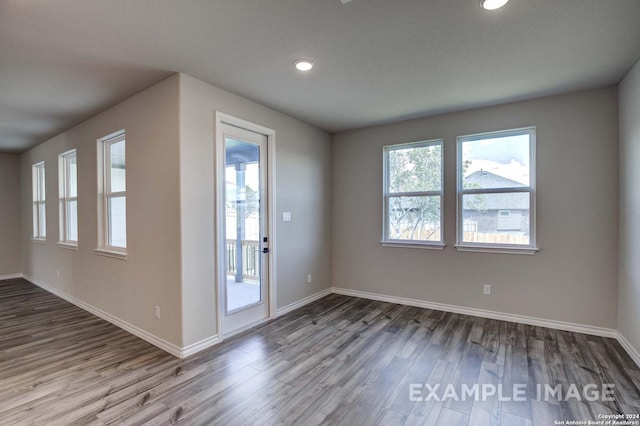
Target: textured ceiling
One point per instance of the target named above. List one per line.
(376, 60)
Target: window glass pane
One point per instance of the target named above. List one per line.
(35, 220)
(414, 218)
(117, 209)
(72, 221)
(496, 218)
(73, 176)
(41, 187)
(496, 162)
(35, 181)
(414, 169)
(42, 224)
(118, 166)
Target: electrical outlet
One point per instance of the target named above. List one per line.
(309, 279)
(157, 312)
(487, 289)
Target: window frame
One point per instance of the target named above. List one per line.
(387, 195)
(64, 180)
(532, 247)
(105, 194)
(39, 198)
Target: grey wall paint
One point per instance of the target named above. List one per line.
(128, 290)
(572, 278)
(170, 216)
(629, 267)
(303, 185)
(9, 215)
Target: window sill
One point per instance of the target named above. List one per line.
(425, 246)
(67, 246)
(501, 250)
(39, 240)
(110, 253)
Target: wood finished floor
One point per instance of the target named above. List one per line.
(340, 360)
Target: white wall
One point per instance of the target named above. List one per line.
(629, 267)
(9, 215)
(573, 276)
(302, 187)
(127, 289)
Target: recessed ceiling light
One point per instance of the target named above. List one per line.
(303, 65)
(492, 4)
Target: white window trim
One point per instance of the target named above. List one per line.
(111, 253)
(422, 244)
(496, 249)
(65, 199)
(67, 246)
(416, 245)
(38, 235)
(104, 193)
(529, 249)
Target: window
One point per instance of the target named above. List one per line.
(413, 194)
(39, 202)
(496, 191)
(68, 189)
(112, 203)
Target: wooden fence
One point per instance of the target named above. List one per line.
(495, 238)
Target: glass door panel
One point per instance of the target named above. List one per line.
(243, 218)
(242, 224)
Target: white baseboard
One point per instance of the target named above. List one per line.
(199, 346)
(10, 276)
(633, 352)
(558, 325)
(182, 352)
(302, 302)
(136, 331)
(240, 330)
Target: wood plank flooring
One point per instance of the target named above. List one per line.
(340, 360)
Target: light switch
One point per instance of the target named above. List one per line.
(286, 216)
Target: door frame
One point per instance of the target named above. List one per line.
(270, 134)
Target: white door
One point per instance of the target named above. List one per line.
(244, 245)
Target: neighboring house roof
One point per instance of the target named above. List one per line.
(483, 179)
